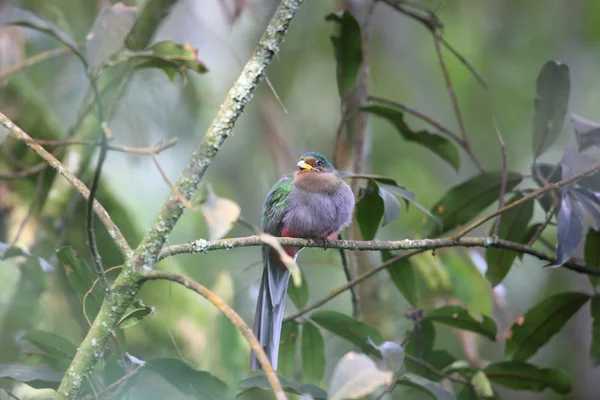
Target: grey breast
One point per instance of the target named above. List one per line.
(312, 214)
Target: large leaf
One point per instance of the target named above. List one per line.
(287, 348)
(574, 162)
(513, 227)
(441, 146)
(589, 203)
(523, 376)
(551, 103)
(80, 276)
(260, 381)
(430, 390)
(154, 12)
(347, 47)
(569, 229)
(298, 294)
(29, 373)
(420, 345)
(595, 344)
(370, 211)
(354, 331)
(108, 33)
(404, 275)
(460, 318)
(219, 213)
(51, 344)
(466, 200)
(592, 253)
(355, 376)
(541, 323)
(587, 132)
(313, 353)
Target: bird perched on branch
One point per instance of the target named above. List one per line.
(313, 203)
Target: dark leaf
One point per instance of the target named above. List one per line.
(80, 276)
(260, 381)
(287, 348)
(592, 253)
(595, 344)
(458, 317)
(313, 353)
(409, 197)
(356, 376)
(370, 210)
(513, 227)
(51, 344)
(523, 376)
(28, 373)
(136, 312)
(430, 390)
(108, 33)
(200, 384)
(546, 172)
(19, 17)
(589, 202)
(348, 328)
(587, 132)
(420, 345)
(466, 200)
(404, 276)
(347, 46)
(298, 294)
(569, 229)
(551, 103)
(154, 12)
(541, 323)
(529, 234)
(467, 283)
(441, 146)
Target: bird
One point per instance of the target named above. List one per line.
(312, 203)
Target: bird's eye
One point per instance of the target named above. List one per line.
(319, 163)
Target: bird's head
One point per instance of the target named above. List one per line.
(314, 162)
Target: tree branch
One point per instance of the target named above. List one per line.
(221, 127)
(230, 314)
(112, 228)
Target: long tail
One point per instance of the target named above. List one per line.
(269, 307)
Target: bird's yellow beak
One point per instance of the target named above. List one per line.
(303, 165)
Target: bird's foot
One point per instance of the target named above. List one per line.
(326, 243)
(311, 242)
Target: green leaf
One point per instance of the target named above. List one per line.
(51, 344)
(431, 390)
(348, 51)
(80, 276)
(287, 348)
(595, 344)
(108, 33)
(369, 211)
(298, 294)
(136, 312)
(420, 345)
(458, 317)
(355, 376)
(354, 331)
(153, 13)
(519, 375)
(29, 373)
(260, 381)
(200, 384)
(313, 353)
(513, 227)
(551, 103)
(592, 253)
(441, 146)
(170, 57)
(20, 17)
(466, 200)
(482, 385)
(404, 275)
(541, 322)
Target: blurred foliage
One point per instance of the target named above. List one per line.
(493, 321)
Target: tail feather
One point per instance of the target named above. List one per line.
(269, 308)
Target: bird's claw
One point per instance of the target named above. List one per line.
(326, 243)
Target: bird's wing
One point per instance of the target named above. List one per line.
(274, 208)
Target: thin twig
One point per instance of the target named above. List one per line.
(24, 173)
(31, 61)
(89, 291)
(112, 228)
(32, 204)
(552, 186)
(172, 187)
(464, 61)
(231, 315)
(454, 100)
(156, 149)
(540, 229)
(436, 371)
(504, 177)
(123, 379)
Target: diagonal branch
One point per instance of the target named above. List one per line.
(221, 127)
(112, 228)
(230, 314)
